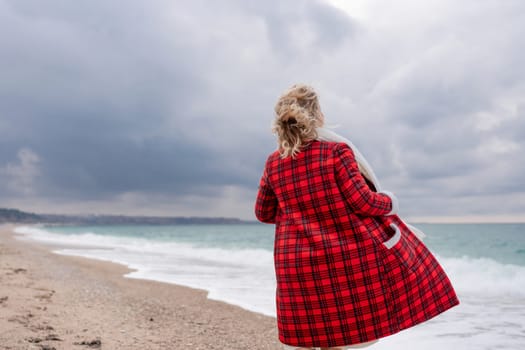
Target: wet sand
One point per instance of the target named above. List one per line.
(49, 301)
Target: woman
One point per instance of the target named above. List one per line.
(348, 270)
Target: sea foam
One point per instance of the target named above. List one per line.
(242, 277)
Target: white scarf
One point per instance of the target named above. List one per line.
(366, 170)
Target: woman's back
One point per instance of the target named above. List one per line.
(309, 189)
(306, 189)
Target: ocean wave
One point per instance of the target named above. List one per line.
(484, 277)
(229, 273)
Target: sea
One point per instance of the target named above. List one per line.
(234, 263)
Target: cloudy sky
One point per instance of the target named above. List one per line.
(164, 107)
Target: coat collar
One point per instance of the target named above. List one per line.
(324, 134)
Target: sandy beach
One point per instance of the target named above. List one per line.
(49, 301)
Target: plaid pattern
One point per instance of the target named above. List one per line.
(337, 283)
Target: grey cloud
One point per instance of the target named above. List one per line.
(113, 113)
(301, 25)
(20, 176)
(173, 99)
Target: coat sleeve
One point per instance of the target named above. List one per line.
(266, 203)
(355, 190)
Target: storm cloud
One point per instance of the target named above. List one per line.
(165, 107)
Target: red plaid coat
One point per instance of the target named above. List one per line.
(346, 272)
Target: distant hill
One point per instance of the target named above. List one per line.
(15, 215)
(18, 216)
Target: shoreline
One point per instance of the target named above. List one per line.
(54, 301)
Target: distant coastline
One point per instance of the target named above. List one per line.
(10, 215)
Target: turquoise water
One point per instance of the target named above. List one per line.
(504, 243)
(249, 236)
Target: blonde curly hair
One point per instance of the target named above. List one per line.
(297, 115)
